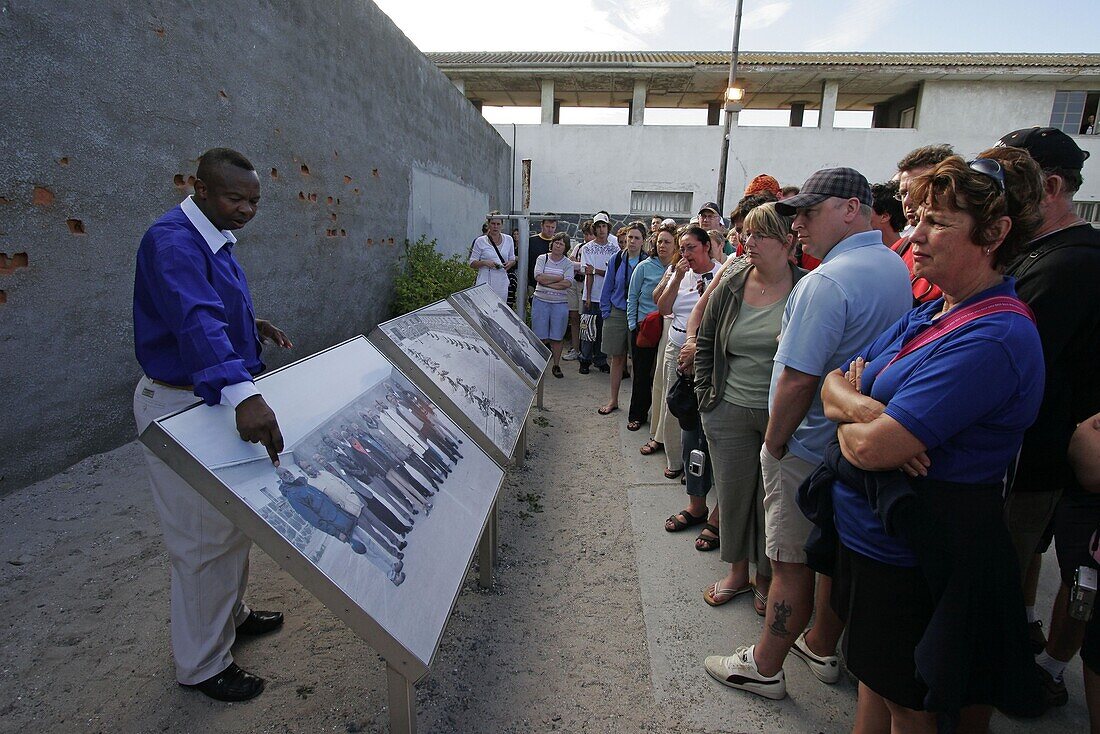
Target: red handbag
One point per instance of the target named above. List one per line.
(649, 330)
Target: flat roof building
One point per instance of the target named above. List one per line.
(799, 112)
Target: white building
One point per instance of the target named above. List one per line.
(802, 112)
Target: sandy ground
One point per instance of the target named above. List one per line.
(595, 623)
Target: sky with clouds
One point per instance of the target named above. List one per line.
(1061, 26)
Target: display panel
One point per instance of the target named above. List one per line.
(378, 495)
(451, 361)
(499, 324)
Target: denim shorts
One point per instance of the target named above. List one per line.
(548, 320)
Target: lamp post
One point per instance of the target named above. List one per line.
(732, 97)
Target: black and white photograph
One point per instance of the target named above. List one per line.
(500, 324)
(376, 487)
(454, 358)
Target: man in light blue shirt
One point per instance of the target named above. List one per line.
(860, 288)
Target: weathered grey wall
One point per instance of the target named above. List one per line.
(106, 107)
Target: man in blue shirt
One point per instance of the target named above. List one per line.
(195, 334)
(860, 288)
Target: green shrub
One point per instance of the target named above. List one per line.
(425, 276)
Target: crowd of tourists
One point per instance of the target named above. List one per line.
(880, 402)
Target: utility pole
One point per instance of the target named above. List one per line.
(732, 97)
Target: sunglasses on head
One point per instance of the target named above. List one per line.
(991, 168)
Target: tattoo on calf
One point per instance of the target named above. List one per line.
(782, 613)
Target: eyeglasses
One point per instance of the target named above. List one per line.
(991, 168)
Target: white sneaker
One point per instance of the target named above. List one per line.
(571, 356)
(739, 671)
(826, 668)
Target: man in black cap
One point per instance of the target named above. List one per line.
(1057, 276)
(860, 289)
(709, 216)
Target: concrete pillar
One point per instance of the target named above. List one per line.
(547, 101)
(460, 84)
(828, 103)
(637, 105)
(714, 113)
(798, 113)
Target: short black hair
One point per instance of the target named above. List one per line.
(883, 202)
(697, 232)
(925, 156)
(215, 158)
(1071, 177)
(748, 203)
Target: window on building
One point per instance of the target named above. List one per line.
(512, 115)
(1088, 210)
(594, 115)
(664, 203)
(1075, 111)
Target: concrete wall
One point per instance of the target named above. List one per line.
(592, 167)
(107, 106)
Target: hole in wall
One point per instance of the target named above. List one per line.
(355, 191)
(222, 94)
(160, 31)
(347, 179)
(370, 240)
(63, 160)
(191, 181)
(75, 226)
(313, 197)
(4, 200)
(305, 170)
(8, 265)
(179, 181)
(302, 195)
(42, 196)
(330, 232)
(391, 240)
(3, 297)
(275, 173)
(328, 200)
(374, 172)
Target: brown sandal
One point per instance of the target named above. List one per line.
(651, 447)
(704, 544)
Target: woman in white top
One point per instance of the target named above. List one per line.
(689, 279)
(492, 255)
(550, 304)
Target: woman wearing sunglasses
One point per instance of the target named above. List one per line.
(925, 575)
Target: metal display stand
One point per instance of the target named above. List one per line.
(404, 667)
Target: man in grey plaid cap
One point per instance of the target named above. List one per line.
(860, 288)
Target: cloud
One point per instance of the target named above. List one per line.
(857, 23)
(764, 15)
(505, 25)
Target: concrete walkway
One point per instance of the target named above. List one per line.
(596, 623)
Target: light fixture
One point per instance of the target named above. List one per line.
(734, 95)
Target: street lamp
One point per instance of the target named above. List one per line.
(733, 95)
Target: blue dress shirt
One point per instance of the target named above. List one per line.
(193, 318)
(616, 282)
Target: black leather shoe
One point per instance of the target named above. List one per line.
(260, 623)
(232, 684)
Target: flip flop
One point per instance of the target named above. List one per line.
(651, 447)
(709, 544)
(633, 425)
(716, 595)
(678, 524)
(607, 411)
(762, 600)
(673, 473)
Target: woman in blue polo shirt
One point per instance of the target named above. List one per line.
(944, 395)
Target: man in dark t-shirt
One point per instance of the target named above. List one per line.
(1057, 277)
(539, 245)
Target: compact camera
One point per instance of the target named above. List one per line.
(697, 461)
(1083, 595)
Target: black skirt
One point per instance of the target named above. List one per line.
(886, 609)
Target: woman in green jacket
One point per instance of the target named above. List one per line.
(736, 345)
